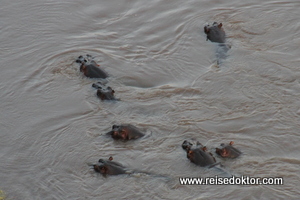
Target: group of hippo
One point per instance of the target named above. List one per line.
(197, 153)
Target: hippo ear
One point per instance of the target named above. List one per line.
(110, 158)
(204, 148)
(112, 91)
(220, 25)
(231, 143)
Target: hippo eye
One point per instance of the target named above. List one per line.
(114, 126)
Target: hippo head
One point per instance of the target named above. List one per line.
(90, 68)
(118, 132)
(195, 153)
(198, 154)
(186, 145)
(208, 27)
(106, 93)
(228, 151)
(223, 151)
(81, 60)
(215, 32)
(125, 132)
(101, 168)
(108, 167)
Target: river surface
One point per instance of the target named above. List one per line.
(52, 125)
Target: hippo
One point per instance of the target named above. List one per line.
(104, 92)
(215, 32)
(228, 151)
(198, 155)
(109, 167)
(125, 132)
(90, 68)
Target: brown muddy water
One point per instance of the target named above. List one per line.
(165, 73)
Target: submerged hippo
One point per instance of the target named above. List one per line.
(109, 167)
(228, 151)
(125, 132)
(215, 32)
(104, 92)
(198, 154)
(90, 68)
